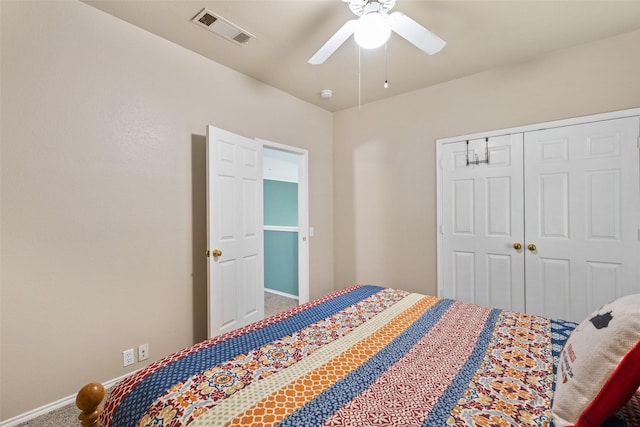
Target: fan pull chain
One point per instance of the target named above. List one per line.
(386, 67)
(359, 80)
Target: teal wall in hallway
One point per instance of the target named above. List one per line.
(281, 261)
(280, 203)
(281, 247)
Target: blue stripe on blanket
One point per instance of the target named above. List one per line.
(333, 398)
(147, 391)
(560, 332)
(444, 406)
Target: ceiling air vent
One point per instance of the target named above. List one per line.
(222, 27)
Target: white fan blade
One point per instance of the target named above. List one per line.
(334, 43)
(415, 33)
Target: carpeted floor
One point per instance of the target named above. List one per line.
(68, 415)
(274, 304)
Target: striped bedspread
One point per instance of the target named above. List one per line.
(362, 356)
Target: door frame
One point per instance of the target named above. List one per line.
(303, 213)
(500, 132)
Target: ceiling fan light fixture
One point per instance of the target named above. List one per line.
(372, 30)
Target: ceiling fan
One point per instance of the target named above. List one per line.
(373, 27)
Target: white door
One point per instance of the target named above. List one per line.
(583, 216)
(234, 231)
(482, 220)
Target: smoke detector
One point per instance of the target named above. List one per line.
(326, 93)
(222, 27)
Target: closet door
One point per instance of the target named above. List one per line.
(582, 214)
(482, 222)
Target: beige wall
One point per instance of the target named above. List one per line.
(103, 192)
(384, 153)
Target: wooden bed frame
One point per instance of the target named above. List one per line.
(88, 401)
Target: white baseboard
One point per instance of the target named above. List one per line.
(282, 294)
(35, 413)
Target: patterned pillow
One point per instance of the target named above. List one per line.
(599, 367)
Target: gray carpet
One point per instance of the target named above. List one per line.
(68, 415)
(274, 304)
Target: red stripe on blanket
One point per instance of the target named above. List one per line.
(409, 389)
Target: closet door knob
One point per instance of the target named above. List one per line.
(216, 253)
(517, 246)
(531, 247)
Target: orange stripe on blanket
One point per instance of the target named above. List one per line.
(295, 395)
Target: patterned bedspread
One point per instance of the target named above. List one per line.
(362, 356)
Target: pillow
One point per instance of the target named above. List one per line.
(599, 367)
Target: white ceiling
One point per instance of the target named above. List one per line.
(480, 35)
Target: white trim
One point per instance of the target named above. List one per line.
(43, 410)
(303, 224)
(282, 294)
(281, 228)
(546, 125)
(439, 282)
(303, 214)
(282, 180)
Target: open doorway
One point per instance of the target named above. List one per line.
(286, 240)
(235, 227)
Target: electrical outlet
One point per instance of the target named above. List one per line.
(143, 352)
(128, 357)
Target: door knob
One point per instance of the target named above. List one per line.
(517, 246)
(216, 253)
(531, 247)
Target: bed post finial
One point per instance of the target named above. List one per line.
(88, 401)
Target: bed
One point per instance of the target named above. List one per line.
(362, 356)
